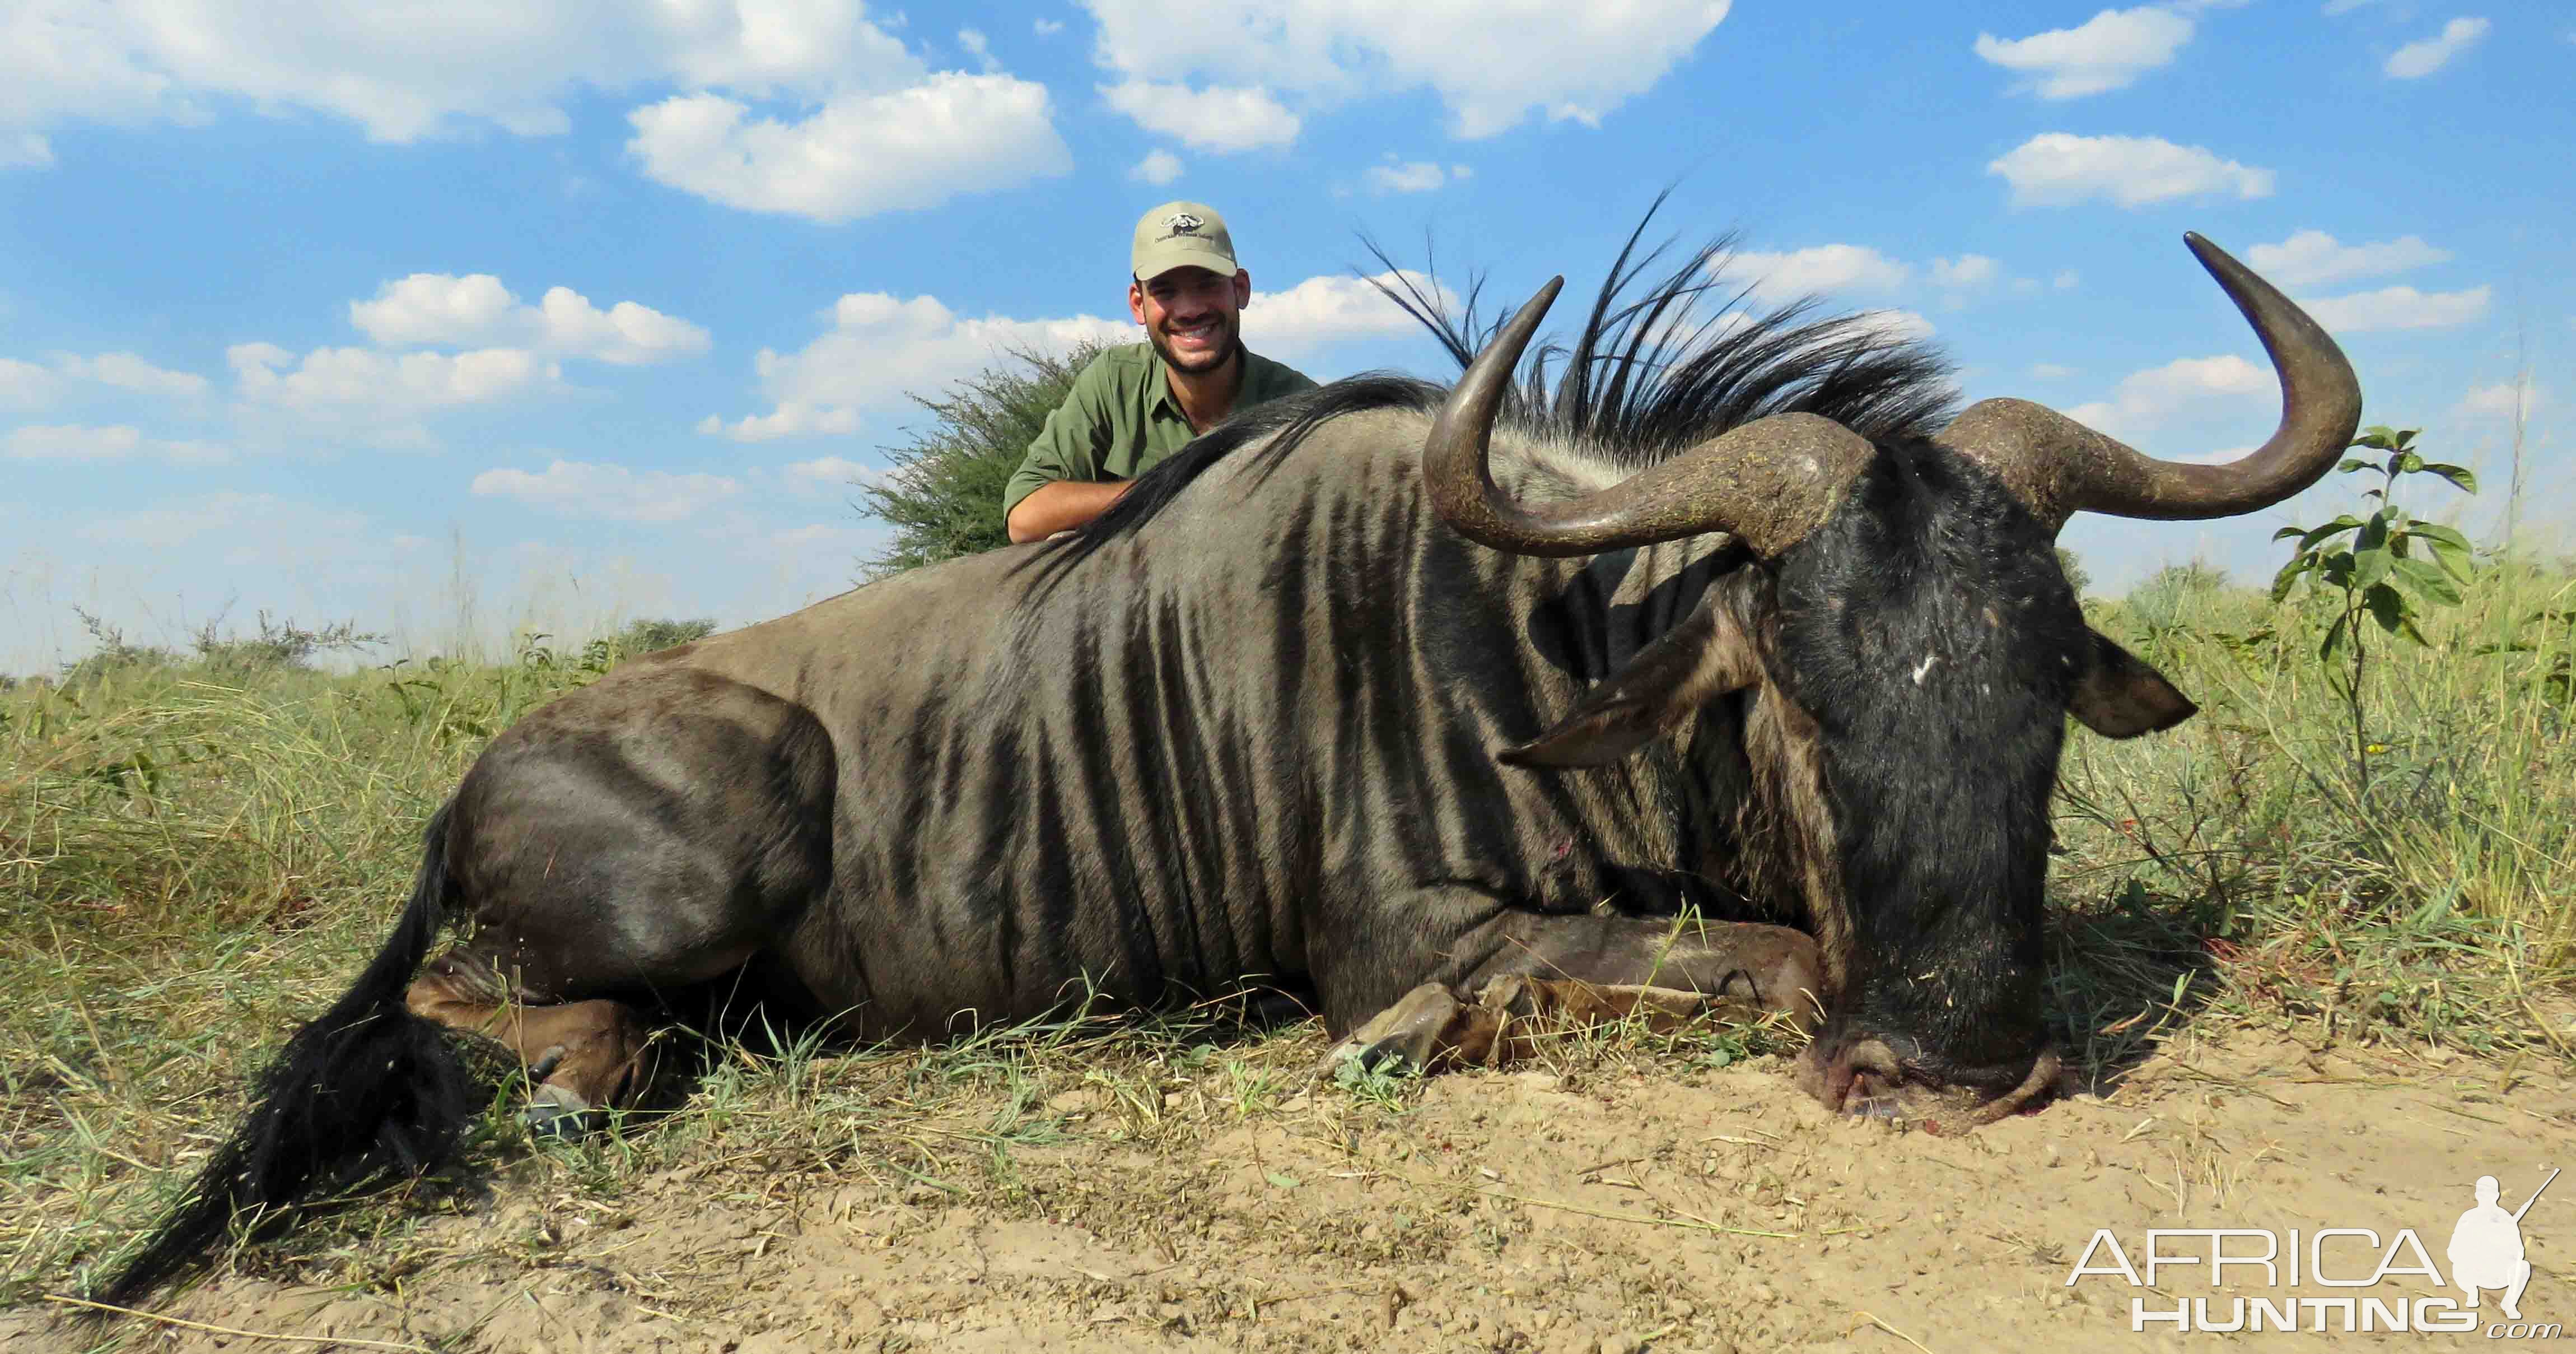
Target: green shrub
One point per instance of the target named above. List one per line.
(278, 644)
(651, 635)
(2171, 596)
(115, 655)
(944, 495)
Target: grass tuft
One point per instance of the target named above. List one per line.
(194, 857)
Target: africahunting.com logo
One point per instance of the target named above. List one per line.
(2485, 1258)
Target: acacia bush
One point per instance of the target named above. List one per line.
(943, 496)
(650, 635)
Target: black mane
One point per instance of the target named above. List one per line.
(1644, 380)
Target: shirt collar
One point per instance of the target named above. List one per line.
(1164, 401)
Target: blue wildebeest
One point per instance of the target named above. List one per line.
(1442, 722)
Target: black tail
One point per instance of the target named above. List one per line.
(368, 1090)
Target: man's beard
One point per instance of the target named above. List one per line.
(1163, 348)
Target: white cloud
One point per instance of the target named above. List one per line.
(1327, 309)
(1047, 28)
(1218, 118)
(887, 133)
(2049, 371)
(509, 63)
(125, 371)
(2503, 401)
(2345, 6)
(2418, 59)
(880, 349)
(2145, 400)
(979, 47)
(1776, 278)
(1492, 62)
(364, 383)
(24, 385)
(439, 308)
(2066, 279)
(2396, 308)
(827, 476)
(75, 442)
(626, 333)
(795, 418)
(1158, 167)
(1968, 272)
(2109, 51)
(1411, 176)
(25, 150)
(250, 539)
(180, 521)
(2312, 257)
(1896, 326)
(2057, 169)
(614, 492)
(858, 154)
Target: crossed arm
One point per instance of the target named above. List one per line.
(1061, 506)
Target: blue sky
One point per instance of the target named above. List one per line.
(547, 312)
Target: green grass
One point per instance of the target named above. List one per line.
(193, 860)
(2237, 856)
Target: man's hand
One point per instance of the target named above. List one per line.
(1062, 506)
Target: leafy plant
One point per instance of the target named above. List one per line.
(2378, 568)
(944, 495)
(1384, 1083)
(2172, 596)
(651, 635)
(278, 644)
(114, 654)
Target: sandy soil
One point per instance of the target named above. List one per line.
(1701, 1210)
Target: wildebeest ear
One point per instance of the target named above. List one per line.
(1704, 657)
(2121, 697)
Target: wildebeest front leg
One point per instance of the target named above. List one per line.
(1544, 974)
(584, 1056)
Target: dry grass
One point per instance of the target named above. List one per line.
(2230, 868)
(189, 866)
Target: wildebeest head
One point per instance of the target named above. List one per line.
(1907, 648)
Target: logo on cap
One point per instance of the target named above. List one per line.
(1181, 223)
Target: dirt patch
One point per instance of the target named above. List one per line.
(1617, 1208)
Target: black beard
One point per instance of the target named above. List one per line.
(1163, 349)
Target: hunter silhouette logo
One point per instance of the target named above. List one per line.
(2486, 1248)
(2387, 1284)
(1181, 223)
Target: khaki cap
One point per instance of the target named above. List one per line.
(1182, 235)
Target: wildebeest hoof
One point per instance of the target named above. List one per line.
(1422, 1026)
(1865, 1078)
(555, 1114)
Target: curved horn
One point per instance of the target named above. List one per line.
(2060, 467)
(1768, 482)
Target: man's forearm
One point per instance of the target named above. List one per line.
(1061, 506)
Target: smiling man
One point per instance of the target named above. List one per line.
(1135, 405)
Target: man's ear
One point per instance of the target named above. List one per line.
(2121, 697)
(1242, 287)
(1136, 300)
(1697, 661)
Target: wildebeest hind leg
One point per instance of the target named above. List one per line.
(584, 1056)
(1548, 974)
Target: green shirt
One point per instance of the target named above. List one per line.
(1120, 419)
